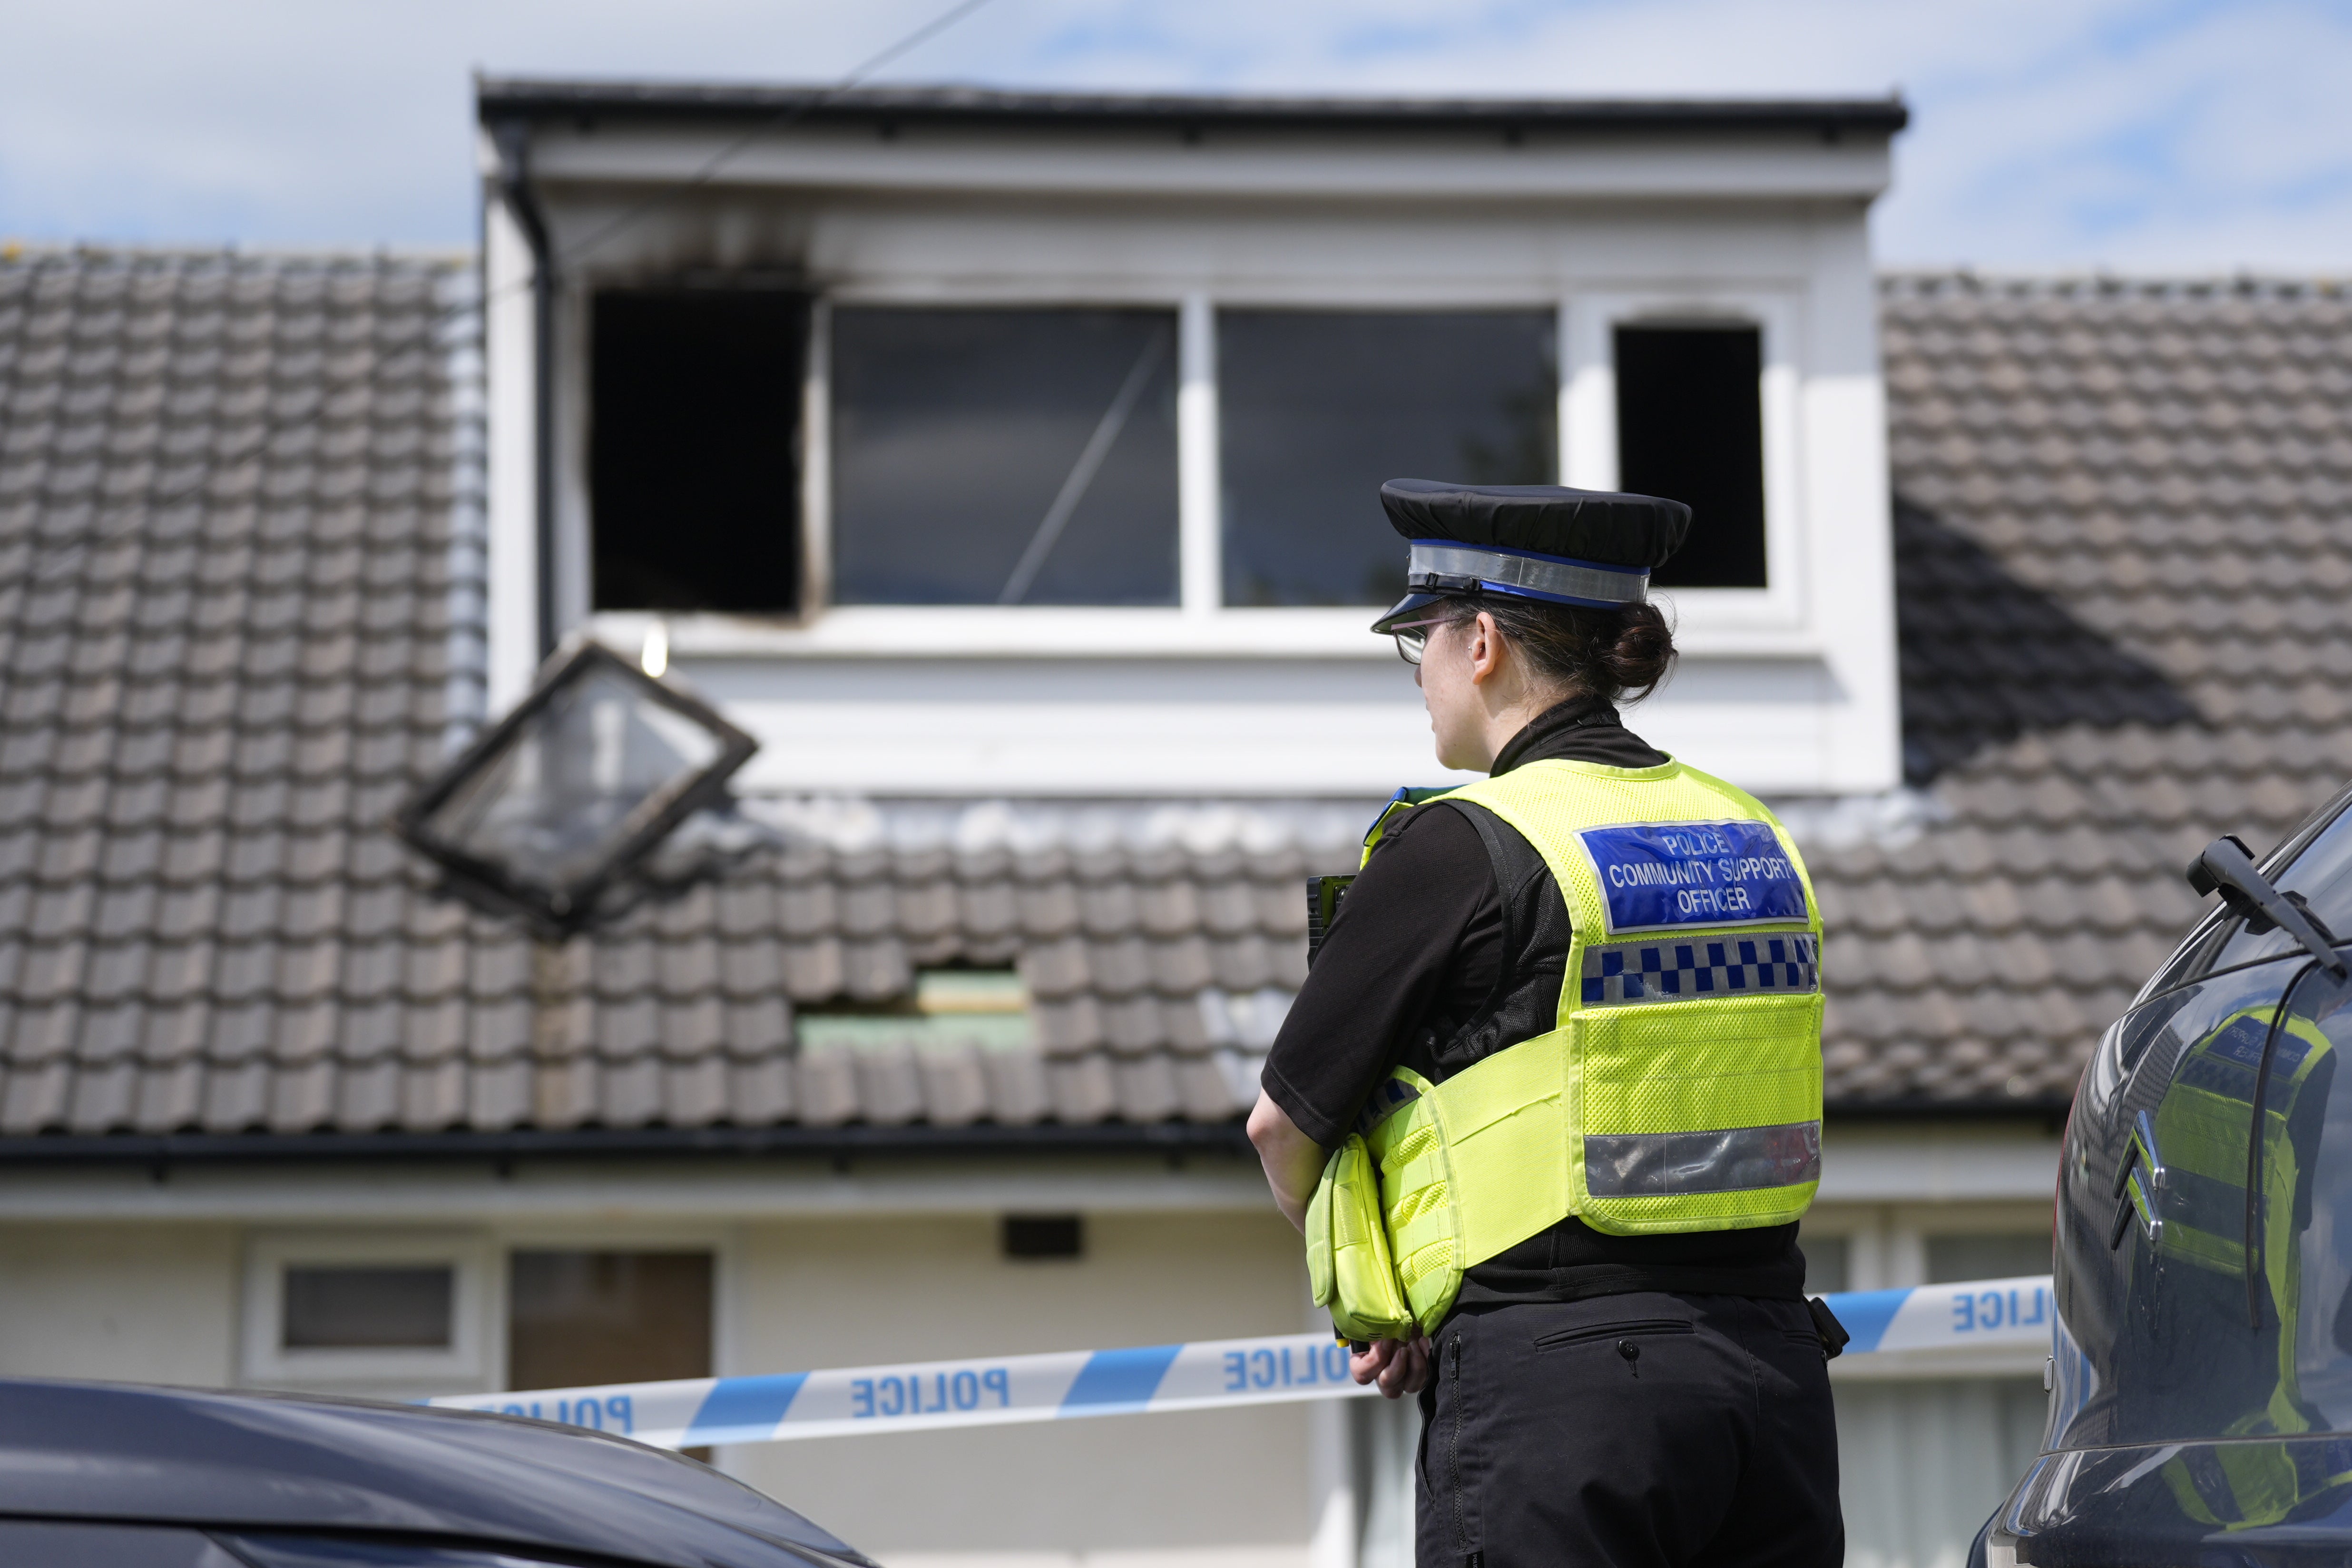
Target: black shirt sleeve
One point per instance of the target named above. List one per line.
(1422, 923)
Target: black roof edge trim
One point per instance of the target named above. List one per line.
(498, 98)
(803, 1143)
(1923, 1109)
(1158, 1138)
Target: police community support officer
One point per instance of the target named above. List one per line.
(1548, 1105)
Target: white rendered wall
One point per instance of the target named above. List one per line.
(111, 1274)
(132, 1303)
(1229, 1489)
(508, 335)
(166, 1303)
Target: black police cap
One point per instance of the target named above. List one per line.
(1589, 548)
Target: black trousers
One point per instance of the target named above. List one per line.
(1650, 1430)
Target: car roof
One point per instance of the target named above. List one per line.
(128, 1452)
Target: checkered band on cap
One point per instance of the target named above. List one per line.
(1683, 969)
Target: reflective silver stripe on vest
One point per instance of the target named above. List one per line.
(1706, 968)
(1602, 585)
(1677, 1164)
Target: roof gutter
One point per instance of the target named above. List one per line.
(860, 1141)
(156, 1151)
(512, 137)
(805, 102)
(1925, 1109)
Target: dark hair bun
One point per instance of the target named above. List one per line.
(1609, 654)
(1644, 650)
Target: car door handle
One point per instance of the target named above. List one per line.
(2141, 1180)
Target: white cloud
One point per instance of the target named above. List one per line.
(2190, 135)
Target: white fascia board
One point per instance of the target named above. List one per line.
(1936, 1161)
(984, 631)
(629, 1192)
(959, 727)
(1752, 167)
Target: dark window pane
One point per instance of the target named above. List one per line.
(1828, 1263)
(400, 1307)
(1953, 1259)
(1044, 1235)
(1317, 408)
(1003, 457)
(1690, 427)
(694, 476)
(579, 1318)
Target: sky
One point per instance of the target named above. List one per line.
(2140, 136)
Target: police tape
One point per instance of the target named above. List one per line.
(1208, 1375)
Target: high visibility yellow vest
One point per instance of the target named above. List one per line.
(1680, 1088)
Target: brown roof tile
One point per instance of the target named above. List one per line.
(2120, 555)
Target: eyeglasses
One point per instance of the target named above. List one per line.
(1413, 638)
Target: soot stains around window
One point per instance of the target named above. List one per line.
(694, 470)
(1690, 427)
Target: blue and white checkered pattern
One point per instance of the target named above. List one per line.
(1671, 970)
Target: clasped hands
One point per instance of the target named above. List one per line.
(1400, 1366)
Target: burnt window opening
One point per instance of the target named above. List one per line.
(1003, 457)
(1319, 407)
(693, 469)
(1030, 1236)
(1690, 427)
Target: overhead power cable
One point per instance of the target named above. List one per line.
(784, 117)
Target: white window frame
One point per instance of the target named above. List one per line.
(1860, 1231)
(474, 1300)
(1912, 1227)
(1771, 620)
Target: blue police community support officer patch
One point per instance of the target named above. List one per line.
(1663, 876)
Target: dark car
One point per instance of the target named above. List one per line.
(117, 1476)
(2200, 1409)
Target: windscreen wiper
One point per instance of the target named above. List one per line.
(2228, 868)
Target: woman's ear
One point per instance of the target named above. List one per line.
(1485, 648)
